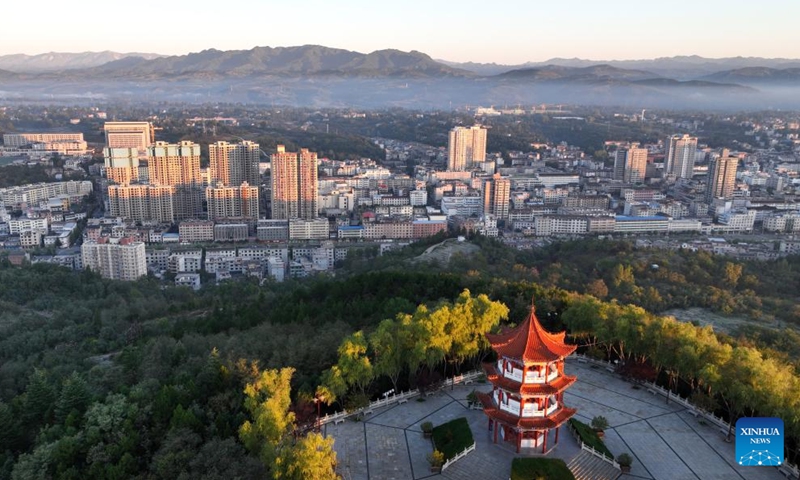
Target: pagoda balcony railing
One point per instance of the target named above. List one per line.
(515, 374)
(530, 410)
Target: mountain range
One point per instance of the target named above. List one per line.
(323, 76)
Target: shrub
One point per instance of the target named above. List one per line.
(436, 459)
(624, 460)
(599, 423)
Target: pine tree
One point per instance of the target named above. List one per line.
(39, 399)
(74, 396)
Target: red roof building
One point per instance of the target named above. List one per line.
(526, 402)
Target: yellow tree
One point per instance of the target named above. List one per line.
(267, 400)
(311, 458)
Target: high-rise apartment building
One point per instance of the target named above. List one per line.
(225, 202)
(467, 145)
(174, 164)
(138, 135)
(680, 154)
(142, 202)
(122, 165)
(115, 258)
(234, 163)
(721, 177)
(294, 184)
(630, 164)
(496, 193)
(178, 165)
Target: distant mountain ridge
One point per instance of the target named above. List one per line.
(56, 61)
(757, 75)
(318, 76)
(282, 61)
(681, 67)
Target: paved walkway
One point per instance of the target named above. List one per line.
(667, 442)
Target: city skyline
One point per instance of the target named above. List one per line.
(551, 30)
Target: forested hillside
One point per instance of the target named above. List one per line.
(102, 379)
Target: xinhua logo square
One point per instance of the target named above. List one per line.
(759, 441)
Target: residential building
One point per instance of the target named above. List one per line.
(225, 202)
(143, 202)
(272, 230)
(630, 164)
(496, 192)
(196, 231)
(231, 232)
(234, 163)
(467, 145)
(680, 155)
(115, 258)
(121, 165)
(721, 177)
(316, 229)
(294, 184)
(191, 280)
(178, 165)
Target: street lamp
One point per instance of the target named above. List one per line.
(318, 399)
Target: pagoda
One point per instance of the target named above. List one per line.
(528, 380)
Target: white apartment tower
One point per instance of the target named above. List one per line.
(234, 163)
(466, 146)
(232, 202)
(115, 258)
(680, 154)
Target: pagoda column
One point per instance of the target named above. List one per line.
(519, 441)
(557, 429)
(544, 444)
(495, 432)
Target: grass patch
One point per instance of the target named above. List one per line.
(590, 438)
(536, 468)
(453, 437)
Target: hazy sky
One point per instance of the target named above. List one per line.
(486, 31)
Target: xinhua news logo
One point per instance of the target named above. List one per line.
(759, 441)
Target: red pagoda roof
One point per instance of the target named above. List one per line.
(536, 423)
(530, 343)
(558, 384)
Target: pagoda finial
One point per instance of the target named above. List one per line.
(533, 304)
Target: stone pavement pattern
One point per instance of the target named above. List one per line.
(665, 440)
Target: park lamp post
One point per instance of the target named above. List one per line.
(318, 399)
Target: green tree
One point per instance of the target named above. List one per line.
(39, 398)
(354, 364)
(74, 398)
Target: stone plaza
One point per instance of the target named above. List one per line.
(665, 440)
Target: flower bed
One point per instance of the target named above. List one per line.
(453, 437)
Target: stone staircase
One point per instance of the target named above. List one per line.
(586, 466)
